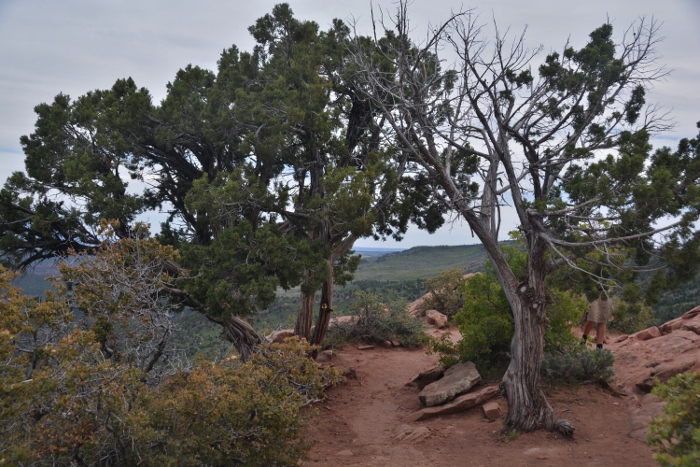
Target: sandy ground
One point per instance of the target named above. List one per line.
(357, 424)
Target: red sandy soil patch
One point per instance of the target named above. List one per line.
(356, 425)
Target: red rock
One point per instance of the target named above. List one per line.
(435, 318)
(278, 337)
(460, 404)
(457, 380)
(647, 334)
(492, 410)
(427, 377)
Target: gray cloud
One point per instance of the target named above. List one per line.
(74, 46)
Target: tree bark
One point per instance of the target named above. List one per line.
(324, 315)
(528, 408)
(305, 317)
(239, 333)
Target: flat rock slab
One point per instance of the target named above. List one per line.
(460, 404)
(427, 377)
(458, 379)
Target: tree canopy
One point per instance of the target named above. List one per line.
(269, 168)
(563, 141)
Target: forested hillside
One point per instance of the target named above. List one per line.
(392, 274)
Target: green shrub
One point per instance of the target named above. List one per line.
(629, 318)
(445, 293)
(443, 346)
(676, 433)
(486, 322)
(378, 322)
(579, 365)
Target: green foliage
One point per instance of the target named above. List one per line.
(578, 364)
(629, 318)
(486, 323)
(445, 293)
(444, 347)
(676, 433)
(378, 322)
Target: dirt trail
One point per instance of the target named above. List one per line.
(358, 423)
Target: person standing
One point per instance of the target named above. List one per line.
(599, 313)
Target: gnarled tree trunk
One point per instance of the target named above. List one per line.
(239, 333)
(528, 408)
(305, 317)
(324, 315)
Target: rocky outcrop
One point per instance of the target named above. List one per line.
(690, 321)
(457, 380)
(654, 354)
(435, 318)
(464, 402)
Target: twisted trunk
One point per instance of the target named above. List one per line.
(239, 333)
(528, 408)
(324, 315)
(302, 327)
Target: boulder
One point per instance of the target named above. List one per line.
(435, 318)
(460, 404)
(492, 410)
(457, 380)
(647, 334)
(324, 356)
(427, 377)
(280, 336)
(343, 320)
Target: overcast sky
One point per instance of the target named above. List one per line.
(74, 46)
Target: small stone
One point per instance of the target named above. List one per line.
(345, 453)
(365, 347)
(325, 356)
(386, 344)
(492, 410)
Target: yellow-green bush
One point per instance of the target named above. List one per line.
(68, 401)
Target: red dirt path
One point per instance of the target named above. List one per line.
(356, 425)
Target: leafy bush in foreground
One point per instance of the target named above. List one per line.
(75, 393)
(676, 433)
(579, 365)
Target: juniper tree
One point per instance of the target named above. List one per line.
(564, 142)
